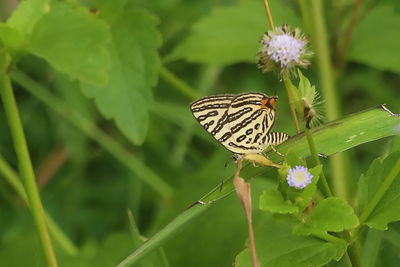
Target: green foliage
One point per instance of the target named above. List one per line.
(347, 132)
(372, 182)
(78, 43)
(230, 34)
(330, 215)
(277, 246)
(272, 200)
(27, 14)
(134, 67)
(376, 38)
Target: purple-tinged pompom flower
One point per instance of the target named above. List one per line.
(299, 177)
(282, 49)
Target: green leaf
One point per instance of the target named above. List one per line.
(230, 34)
(374, 124)
(376, 41)
(330, 215)
(347, 132)
(277, 246)
(109, 10)
(27, 14)
(74, 42)
(117, 245)
(387, 209)
(272, 200)
(11, 38)
(134, 71)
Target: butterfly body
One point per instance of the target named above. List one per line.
(241, 123)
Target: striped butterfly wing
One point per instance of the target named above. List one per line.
(241, 123)
(250, 121)
(212, 113)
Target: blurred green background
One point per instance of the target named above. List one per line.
(88, 191)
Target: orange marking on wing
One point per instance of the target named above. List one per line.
(264, 103)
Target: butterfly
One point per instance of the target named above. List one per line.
(241, 123)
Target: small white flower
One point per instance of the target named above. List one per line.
(282, 50)
(299, 177)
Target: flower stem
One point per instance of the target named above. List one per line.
(328, 237)
(183, 87)
(320, 40)
(269, 15)
(291, 95)
(25, 167)
(313, 151)
(352, 250)
(381, 192)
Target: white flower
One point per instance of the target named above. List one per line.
(299, 177)
(282, 50)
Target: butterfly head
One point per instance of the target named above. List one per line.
(268, 102)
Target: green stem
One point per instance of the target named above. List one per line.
(352, 250)
(25, 166)
(59, 236)
(328, 237)
(290, 90)
(381, 192)
(323, 56)
(269, 15)
(164, 234)
(313, 152)
(87, 127)
(371, 247)
(177, 83)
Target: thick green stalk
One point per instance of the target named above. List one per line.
(164, 234)
(328, 237)
(323, 56)
(59, 236)
(371, 248)
(381, 192)
(88, 128)
(314, 155)
(292, 100)
(25, 167)
(352, 250)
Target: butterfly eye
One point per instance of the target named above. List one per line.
(272, 101)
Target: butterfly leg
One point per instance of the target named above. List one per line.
(277, 152)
